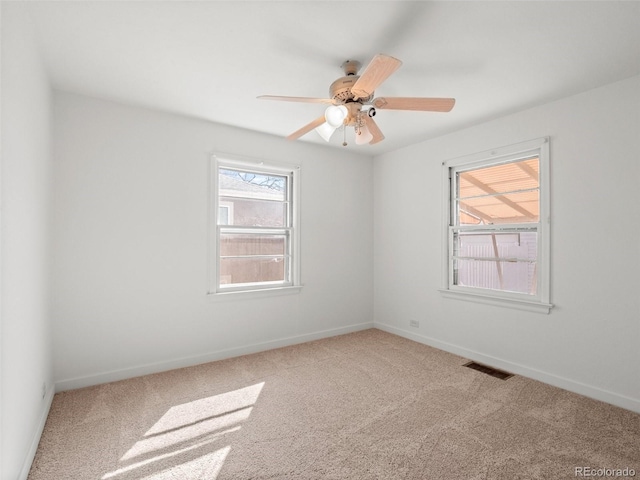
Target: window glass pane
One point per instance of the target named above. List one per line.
(255, 227)
(239, 183)
(233, 244)
(252, 270)
(507, 193)
(520, 207)
(254, 213)
(500, 261)
(517, 277)
(223, 214)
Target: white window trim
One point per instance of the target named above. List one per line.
(213, 260)
(539, 303)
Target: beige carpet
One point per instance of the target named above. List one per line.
(367, 405)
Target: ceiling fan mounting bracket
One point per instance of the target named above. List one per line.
(351, 67)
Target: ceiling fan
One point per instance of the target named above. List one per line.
(351, 102)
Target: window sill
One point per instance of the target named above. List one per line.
(256, 293)
(528, 306)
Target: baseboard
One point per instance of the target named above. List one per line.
(26, 466)
(548, 378)
(115, 375)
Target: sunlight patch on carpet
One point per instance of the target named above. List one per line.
(216, 406)
(187, 431)
(212, 460)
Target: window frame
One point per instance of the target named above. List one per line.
(512, 153)
(292, 231)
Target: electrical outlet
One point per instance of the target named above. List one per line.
(414, 323)
(44, 390)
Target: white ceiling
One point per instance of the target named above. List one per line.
(211, 59)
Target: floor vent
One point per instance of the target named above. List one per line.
(488, 370)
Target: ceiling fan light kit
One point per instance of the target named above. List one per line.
(363, 136)
(352, 102)
(325, 131)
(335, 115)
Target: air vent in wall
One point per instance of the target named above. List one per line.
(489, 370)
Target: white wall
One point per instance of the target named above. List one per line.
(25, 245)
(589, 342)
(130, 242)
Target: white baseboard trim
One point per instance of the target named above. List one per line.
(115, 375)
(548, 378)
(26, 466)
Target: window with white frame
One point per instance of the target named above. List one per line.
(497, 226)
(256, 228)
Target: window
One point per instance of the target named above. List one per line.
(497, 226)
(255, 227)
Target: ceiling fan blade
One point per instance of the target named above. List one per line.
(415, 103)
(373, 129)
(376, 72)
(307, 128)
(297, 99)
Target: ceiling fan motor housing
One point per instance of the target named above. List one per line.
(340, 90)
